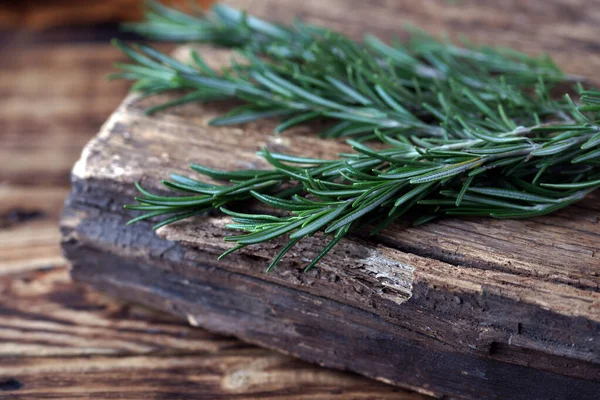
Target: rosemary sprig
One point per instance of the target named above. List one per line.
(467, 131)
(312, 73)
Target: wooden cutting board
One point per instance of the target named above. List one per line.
(468, 308)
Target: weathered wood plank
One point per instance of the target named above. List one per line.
(538, 248)
(489, 303)
(321, 331)
(480, 300)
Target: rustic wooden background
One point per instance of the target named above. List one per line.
(62, 340)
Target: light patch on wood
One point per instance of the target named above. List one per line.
(393, 275)
(80, 170)
(192, 320)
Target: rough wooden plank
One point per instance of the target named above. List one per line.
(492, 303)
(334, 335)
(62, 340)
(537, 249)
(489, 302)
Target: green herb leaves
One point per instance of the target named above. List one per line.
(462, 131)
(377, 187)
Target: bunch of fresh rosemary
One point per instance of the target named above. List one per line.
(471, 131)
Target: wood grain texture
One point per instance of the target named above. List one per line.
(487, 302)
(62, 340)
